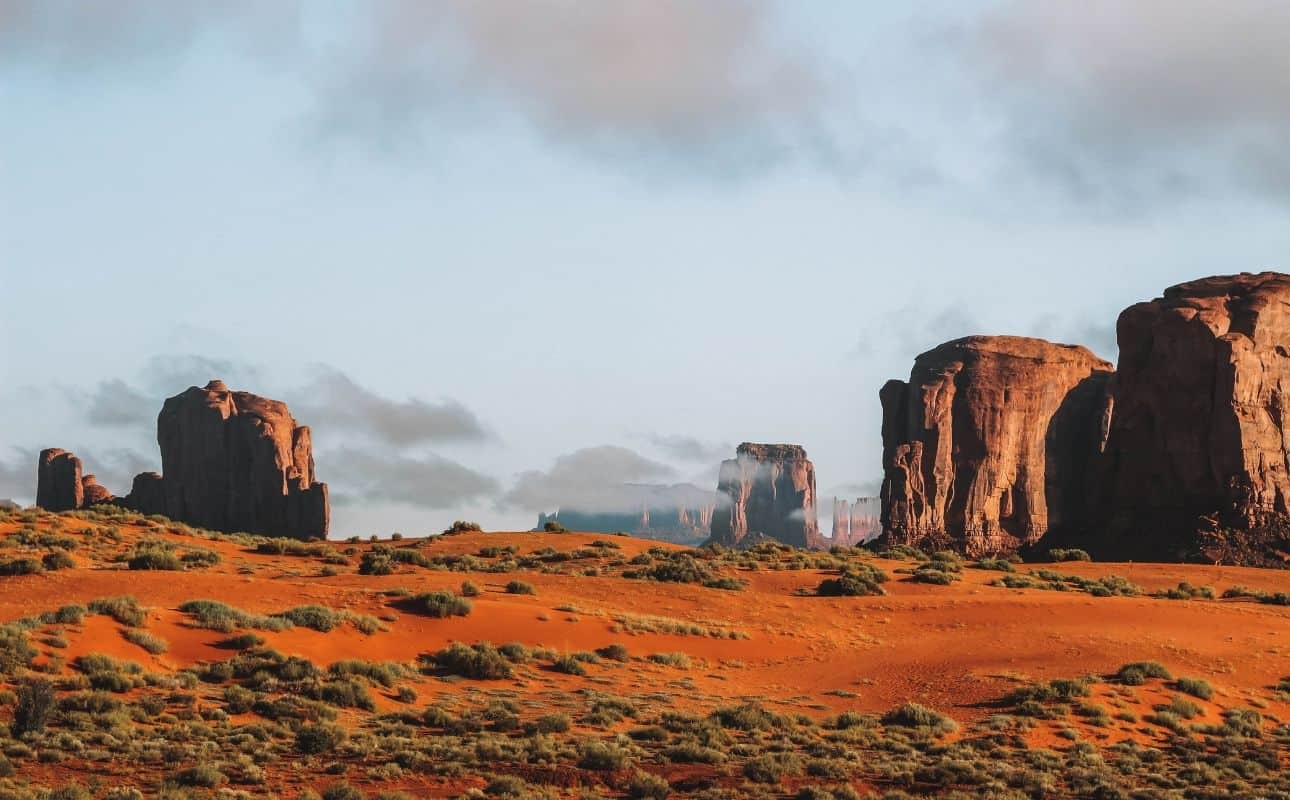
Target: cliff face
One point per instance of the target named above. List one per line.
(234, 461)
(988, 446)
(767, 489)
(855, 523)
(1196, 453)
(59, 484)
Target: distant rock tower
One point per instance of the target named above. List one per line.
(767, 490)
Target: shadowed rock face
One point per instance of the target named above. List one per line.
(987, 447)
(1195, 456)
(234, 461)
(767, 489)
(58, 481)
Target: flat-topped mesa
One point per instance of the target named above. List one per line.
(986, 449)
(767, 490)
(234, 461)
(1195, 453)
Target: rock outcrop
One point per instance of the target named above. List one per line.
(58, 481)
(855, 523)
(767, 489)
(679, 513)
(93, 492)
(987, 448)
(234, 461)
(1196, 455)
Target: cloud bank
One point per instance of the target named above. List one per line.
(590, 479)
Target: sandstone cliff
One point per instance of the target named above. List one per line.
(987, 447)
(1196, 455)
(58, 481)
(234, 461)
(767, 489)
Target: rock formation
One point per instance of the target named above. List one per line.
(855, 523)
(58, 481)
(234, 461)
(680, 514)
(987, 447)
(1196, 455)
(767, 489)
(93, 492)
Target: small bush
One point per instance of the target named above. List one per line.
(58, 559)
(856, 580)
(153, 644)
(614, 652)
(314, 617)
(553, 526)
(481, 661)
(202, 775)
(442, 604)
(648, 786)
(470, 589)
(1195, 687)
(462, 526)
(912, 715)
(568, 665)
(35, 703)
(520, 587)
(678, 660)
(1137, 673)
(601, 756)
(1068, 554)
(154, 558)
(125, 610)
(21, 566)
(314, 739)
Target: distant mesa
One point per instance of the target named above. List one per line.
(231, 461)
(986, 447)
(766, 491)
(680, 513)
(855, 522)
(8, 505)
(1000, 443)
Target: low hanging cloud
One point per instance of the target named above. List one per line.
(168, 374)
(690, 448)
(332, 400)
(115, 403)
(429, 481)
(591, 479)
(715, 84)
(1134, 102)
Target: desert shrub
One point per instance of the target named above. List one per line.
(930, 573)
(341, 791)
(376, 562)
(995, 564)
(725, 582)
(1068, 554)
(315, 739)
(314, 617)
(913, 715)
(203, 775)
(470, 589)
(614, 652)
(678, 660)
(462, 526)
(553, 526)
(855, 580)
(154, 558)
(601, 756)
(746, 717)
(243, 641)
(648, 786)
(16, 652)
(552, 723)
(1183, 708)
(200, 557)
(125, 610)
(569, 665)
(506, 786)
(1195, 687)
(520, 587)
(772, 767)
(35, 703)
(442, 604)
(21, 566)
(70, 614)
(1185, 591)
(481, 661)
(515, 652)
(153, 644)
(56, 560)
(1137, 673)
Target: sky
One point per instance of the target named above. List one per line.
(499, 255)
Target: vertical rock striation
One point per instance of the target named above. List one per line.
(1196, 452)
(234, 461)
(987, 447)
(59, 484)
(767, 490)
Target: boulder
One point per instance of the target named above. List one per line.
(235, 461)
(766, 490)
(58, 481)
(1196, 449)
(987, 447)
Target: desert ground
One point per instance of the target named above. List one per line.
(626, 668)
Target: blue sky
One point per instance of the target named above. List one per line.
(564, 246)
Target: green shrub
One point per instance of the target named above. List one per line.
(601, 756)
(679, 660)
(470, 589)
(614, 652)
(913, 715)
(1137, 673)
(35, 703)
(855, 580)
(314, 739)
(56, 560)
(1195, 687)
(153, 644)
(772, 767)
(21, 566)
(481, 661)
(520, 587)
(442, 604)
(648, 786)
(125, 610)
(314, 617)
(568, 665)
(154, 558)
(342, 791)
(16, 652)
(462, 526)
(1068, 554)
(202, 775)
(553, 526)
